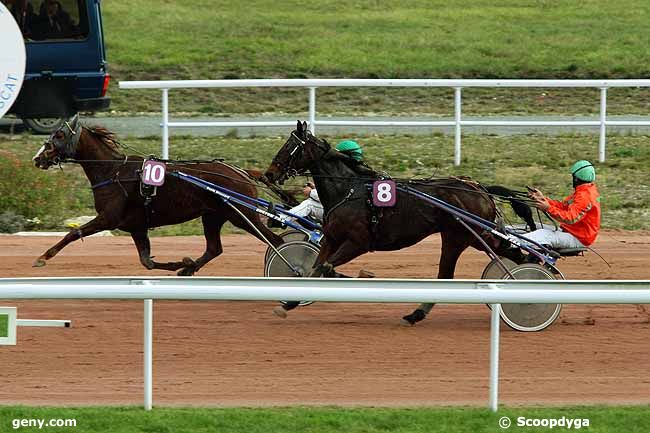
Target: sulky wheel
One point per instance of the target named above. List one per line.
(288, 236)
(294, 235)
(530, 317)
(302, 256)
(494, 272)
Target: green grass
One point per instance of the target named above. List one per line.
(507, 160)
(4, 325)
(324, 420)
(205, 39)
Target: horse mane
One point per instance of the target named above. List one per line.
(359, 167)
(105, 137)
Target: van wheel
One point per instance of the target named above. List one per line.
(46, 125)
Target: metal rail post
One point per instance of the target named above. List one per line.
(494, 353)
(148, 352)
(165, 123)
(312, 110)
(457, 118)
(603, 124)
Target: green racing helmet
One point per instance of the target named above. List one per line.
(584, 171)
(352, 148)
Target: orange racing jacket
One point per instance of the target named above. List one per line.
(579, 213)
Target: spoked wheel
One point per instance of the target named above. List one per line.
(530, 317)
(494, 272)
(288, 236)
(302, 256)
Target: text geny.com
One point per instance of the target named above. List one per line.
(40, 423)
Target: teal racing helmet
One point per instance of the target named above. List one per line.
(351, 148)
(583, 170)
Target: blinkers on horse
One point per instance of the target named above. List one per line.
(59, 146)
(290, 160)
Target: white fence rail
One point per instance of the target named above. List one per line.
(457, 85)
(329, 290)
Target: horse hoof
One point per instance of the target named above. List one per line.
(188, 261)
(413, 318)
(186, 272)
(38, 263)
(405, 323)
(280, 312)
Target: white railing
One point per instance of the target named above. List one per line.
(457, 85)
(330, 290)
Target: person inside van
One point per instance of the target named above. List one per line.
(53, 22)
(23, 13)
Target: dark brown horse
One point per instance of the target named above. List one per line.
(353, 227)
(119, 203)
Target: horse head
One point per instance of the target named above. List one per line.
(301, 150)
(61, 145)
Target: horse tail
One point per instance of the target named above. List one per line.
(519, 206)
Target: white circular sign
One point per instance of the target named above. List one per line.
(12, 60)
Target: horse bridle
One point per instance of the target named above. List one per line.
(287, 168)
(64, 146)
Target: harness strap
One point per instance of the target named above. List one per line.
(375, 217)
(101, 184)
(348, 195)
(76, 133)
(115, 179)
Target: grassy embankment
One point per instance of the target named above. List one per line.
(475, 39)
(200, 39)
(635, 419)
(4, 323)
(512, 161)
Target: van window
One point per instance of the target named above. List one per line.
(47, 20)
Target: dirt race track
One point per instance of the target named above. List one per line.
(239, 354)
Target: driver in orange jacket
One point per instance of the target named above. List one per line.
(578, 214)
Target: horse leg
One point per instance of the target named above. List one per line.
(324, 266)
(452, 248)
(317, 271)
(90, 228)
(348, 251)
(141, 241)
(212, 224)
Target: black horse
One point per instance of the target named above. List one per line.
(353, 226)
(115, 180)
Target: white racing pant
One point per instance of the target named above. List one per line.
(556, 239)
(309, 208)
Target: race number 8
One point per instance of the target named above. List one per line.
(384, 193)
(153, 173)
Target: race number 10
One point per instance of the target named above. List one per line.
(153, 173)
(384, 193)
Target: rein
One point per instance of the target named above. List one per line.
(519, 195)
(329, 153)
